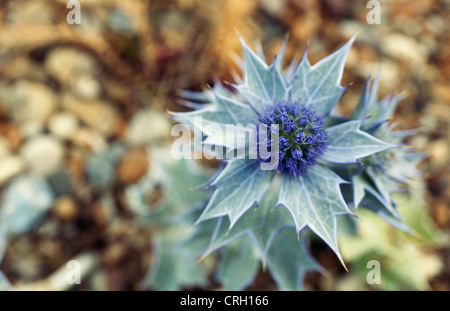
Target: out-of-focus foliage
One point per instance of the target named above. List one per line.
(407, 259)
(166, 199)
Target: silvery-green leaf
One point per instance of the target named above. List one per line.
(384, 186)
(239, 186)
(176, 251)
(206, 96)
(214, 117)
(381, 112)
(261, 224)
(279, 59)
(172, 271)
(362, 183)
(335, 119)
(288, 260)
(347, 143)
(319, 85)
(359, 191)
(367, 99)
(314, 200)
(263, 84)
(404, 165)
(400, 136)
(239, 265)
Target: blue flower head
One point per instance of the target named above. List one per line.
(301, 135)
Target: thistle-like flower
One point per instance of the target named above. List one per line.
(301, 138)
(314, 145)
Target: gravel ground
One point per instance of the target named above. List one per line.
(80, 104)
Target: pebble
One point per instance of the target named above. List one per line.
(146, 127)
(133, 166)
(30, 11)
(114, 254)
(439, 153)
(4, 147)
(87, 87)
(30, 128)
(26, 200)
(389, 74)
(12, 133)
(275, 8)
(31, 101)
(61, 182)
(43, 154)
(99, 115)
(66, 209)
(402, 47)
(89, 138)
(22, 67)
(441, 91)
(63, 124)
(10, 166)
(101, 167)
(67, 64)
(441, 214)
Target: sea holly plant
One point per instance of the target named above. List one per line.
(384, 173)
(290, 114)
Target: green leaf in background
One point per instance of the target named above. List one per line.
(239, 265)
(174, 180)
(288, 260)
(407, 261)
(176, 249)
(172, 270)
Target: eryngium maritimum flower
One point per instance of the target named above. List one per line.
(315, 143)
(301, 135)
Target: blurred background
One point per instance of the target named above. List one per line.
(83, 121)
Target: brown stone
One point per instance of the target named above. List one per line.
(66, 209)
(133, 166)
(441, 213)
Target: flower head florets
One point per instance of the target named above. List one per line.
(301, 135)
